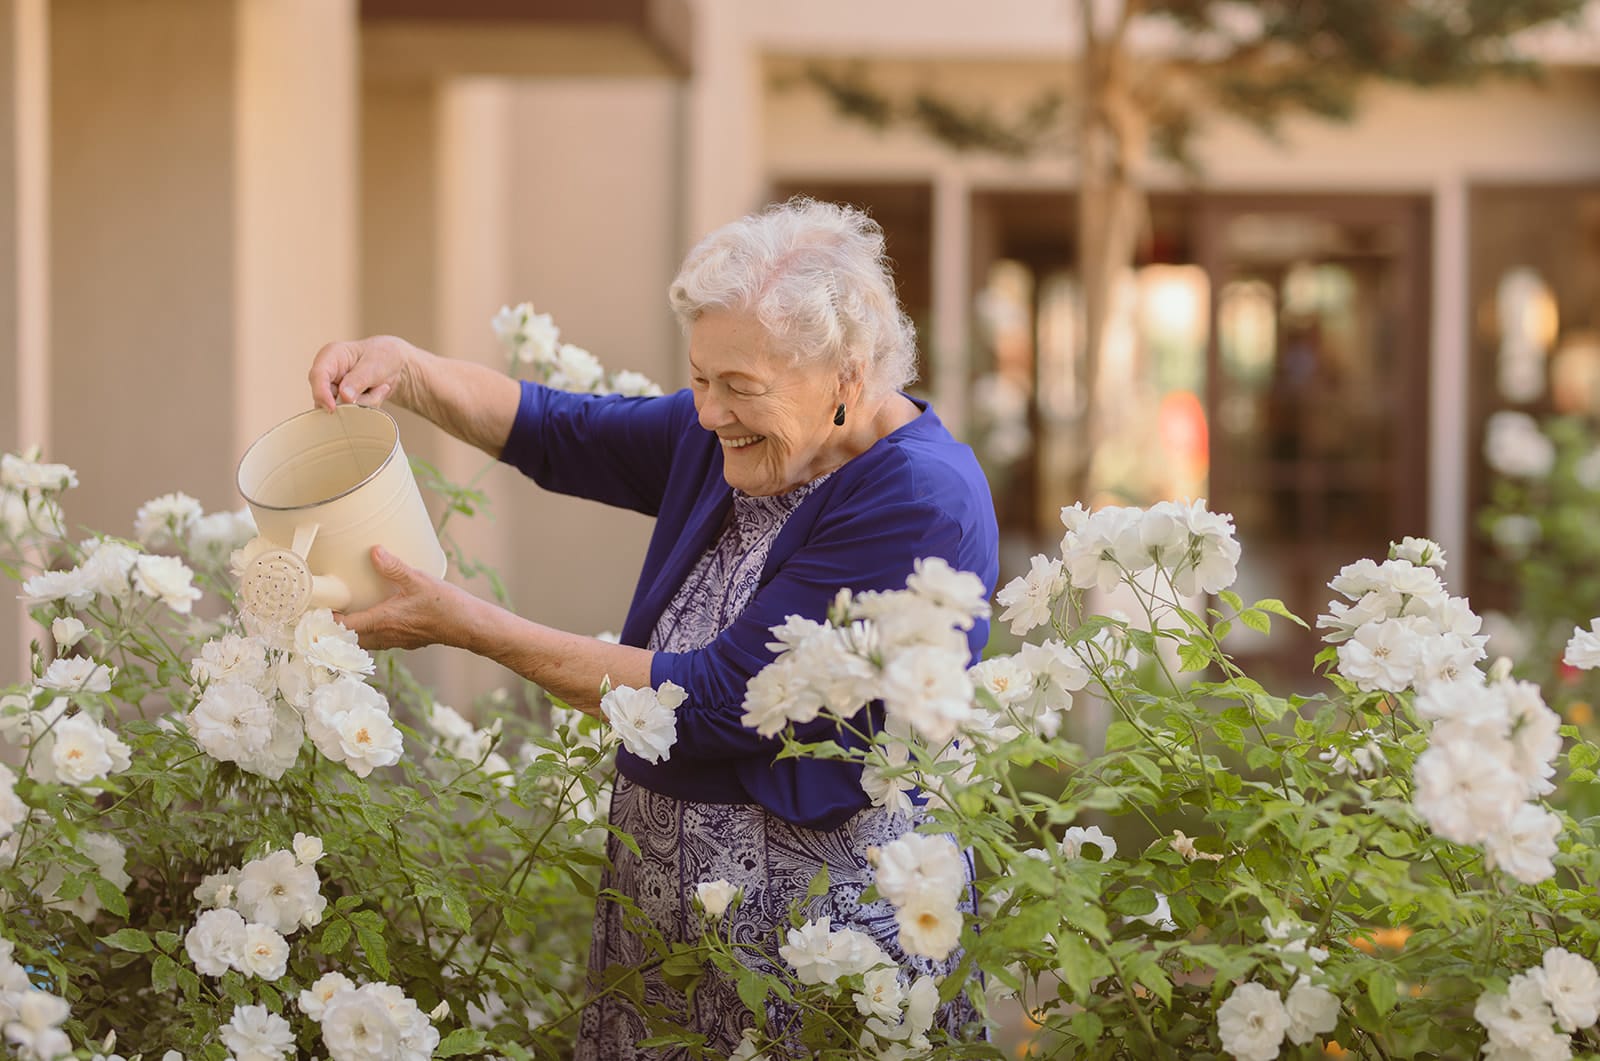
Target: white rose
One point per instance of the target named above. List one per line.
(1571, 984)
(715, 895)
(265, 953)
(1312, 1011)
(168, 580)
(166, 519)
(255, 1034)
(314, 1000)
(643, 719)
(1252, 1023)
(67, 632)
(368, 738)
(279, 891)
(216, 942)
(307, 849)
(77, 674)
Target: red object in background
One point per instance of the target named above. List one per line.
(1185, 435)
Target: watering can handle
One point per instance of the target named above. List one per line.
(327, 591)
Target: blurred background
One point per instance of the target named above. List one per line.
(1288, 257)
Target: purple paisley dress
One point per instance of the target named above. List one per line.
(683, 843)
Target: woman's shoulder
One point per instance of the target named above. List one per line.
(922, 457)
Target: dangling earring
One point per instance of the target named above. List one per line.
(838, 416)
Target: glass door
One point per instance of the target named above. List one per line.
(1317, 390)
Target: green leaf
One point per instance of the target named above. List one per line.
(753, 993)
(1256, 620)
(1277, 607)
(1583, 756)
(1087, 1027)
(1081, 965)
(1192, 655)
(1149, 770)
(335, 934)
(163, 974)
(461, 1041)
(111, 897)
(375, 948)
(819, 882)
(1231, 599)
(1381, 991)
(129, 939)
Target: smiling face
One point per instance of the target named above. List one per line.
(773, 417)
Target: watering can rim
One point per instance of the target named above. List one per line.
(393, 449)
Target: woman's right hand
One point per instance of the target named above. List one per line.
(364, 372)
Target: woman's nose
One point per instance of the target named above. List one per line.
(713, 414)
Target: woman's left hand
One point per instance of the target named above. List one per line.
(423, 610)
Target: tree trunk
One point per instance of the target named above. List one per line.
(1112, 140)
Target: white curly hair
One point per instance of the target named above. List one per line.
(816, 277)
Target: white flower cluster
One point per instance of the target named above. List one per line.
(1401, 629)
(368, 1022)
(898, 1016)
(532, 340)
(116, 572)
(1514, 446)
(1193, 547)
(107, 855)
(63, 749)
(253, 909)
(1255, 1019)
(462, 739)
(254, 1033)
(904, 647)
(29, 508)
(258, 696)
(177, 519)
(1491, 751)
(646, 720)
(30, 1018)
(821, 954)
(1561, 993)
(1583, 648)
(923, 877)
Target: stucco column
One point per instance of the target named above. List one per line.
(202, 233)
(950, 342)
(723, 175)
(473, 176)
(24, 294)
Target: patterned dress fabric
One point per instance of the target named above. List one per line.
(683, 843)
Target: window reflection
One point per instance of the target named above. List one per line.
(1528, 322)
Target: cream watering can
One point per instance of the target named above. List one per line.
(324, 489)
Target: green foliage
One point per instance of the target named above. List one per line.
(1258, 60)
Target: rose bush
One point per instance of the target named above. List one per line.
(222, 839)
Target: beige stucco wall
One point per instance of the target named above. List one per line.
(482, 192)
(595, 240)
(202, 232)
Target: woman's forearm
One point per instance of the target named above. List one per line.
(473, 402)
(566, 665)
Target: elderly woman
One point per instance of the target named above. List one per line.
(792, 467)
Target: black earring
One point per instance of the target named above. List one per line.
(838, 416)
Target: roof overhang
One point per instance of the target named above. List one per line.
(526, 38)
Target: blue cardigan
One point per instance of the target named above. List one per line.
(916, 493)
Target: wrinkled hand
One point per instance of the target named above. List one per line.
(423, 610)
(362, 372)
